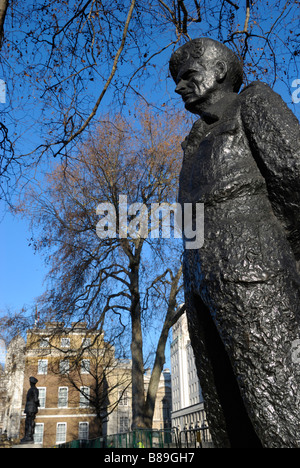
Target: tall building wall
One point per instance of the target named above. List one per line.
(187, 401)
(13, 377)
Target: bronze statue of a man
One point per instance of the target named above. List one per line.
(31, 409)
(242, 287)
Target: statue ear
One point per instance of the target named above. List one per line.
(221, 70)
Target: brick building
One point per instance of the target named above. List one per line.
(121, 418)
(84, 392)
(69, 365)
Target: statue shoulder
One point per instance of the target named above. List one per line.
(258, 90)
(261, 100)
(254, 88)
(273, 133)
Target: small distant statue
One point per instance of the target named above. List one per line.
(242, 287)
(31, 409)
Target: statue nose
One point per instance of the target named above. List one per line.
(181, 86)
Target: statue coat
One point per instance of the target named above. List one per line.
(242, 287)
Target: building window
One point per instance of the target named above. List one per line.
(85, 366)
(42, 396)
(86, 342)
(64, 367)
(62, 397)
(84, 399)
(166, 410)
(65, 342)
(61, 433)
(123, 398)
(38, 433)
(83, 431)
(44, 343)
(124, 424)
(42, 366)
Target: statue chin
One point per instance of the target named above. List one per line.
(193, 106)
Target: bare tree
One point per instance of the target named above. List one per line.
(74, 57)
(128, 282)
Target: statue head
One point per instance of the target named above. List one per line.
(204, 70)
(33, 380)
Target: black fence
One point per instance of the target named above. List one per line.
(144, 438)
(198, 437)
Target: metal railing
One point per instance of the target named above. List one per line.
(141, 438)
(148, 438)
(198, 437)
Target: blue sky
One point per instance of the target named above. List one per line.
(21, 271)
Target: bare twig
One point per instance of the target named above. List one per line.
(112, 73)
(247, 16)
(232, 4)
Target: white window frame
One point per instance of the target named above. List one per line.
(59, 404)
(123, 398)
(42, 399)
(42, 367)
(60, 433)
(80, 432)
(65, 342)
(64, 367)
(84, 401)
(44, 343)
(38, 438)
(85, 368)
(123, 427)
(86, 342)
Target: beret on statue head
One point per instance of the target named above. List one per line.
(206, 49)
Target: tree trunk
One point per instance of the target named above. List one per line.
(172, 316)
(138, 397)
(155, 378)
(3, 9)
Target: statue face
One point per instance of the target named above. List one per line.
(196, 83)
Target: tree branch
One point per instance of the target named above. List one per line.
(247, 16)
(233, 4)
(3, 10)
(112, 73)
